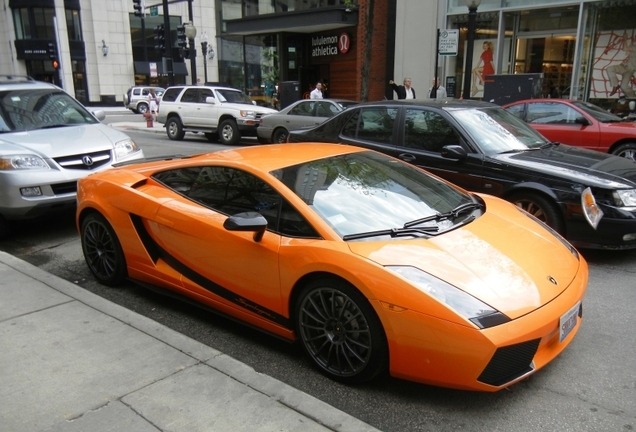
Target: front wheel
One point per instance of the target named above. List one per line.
(626, 150)
(280, 136)
(174, 129)
(102, 250)
(541, 208)
(229, 133)
(340, 331)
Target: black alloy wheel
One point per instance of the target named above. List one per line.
(340, 331)
(102, 250)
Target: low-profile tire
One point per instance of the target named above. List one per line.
(142, 108)
(541, 208)
(280, 136)
(339, 331)
(228, 132)
(174, 129)
(102, 250)
(626, 150)
(212, 137)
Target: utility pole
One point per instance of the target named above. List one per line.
(167, 61)
(192, 47)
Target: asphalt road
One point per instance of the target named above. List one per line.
(590, 387)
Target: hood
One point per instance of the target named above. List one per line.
(578, 165)
(513, 277)
(62, 141)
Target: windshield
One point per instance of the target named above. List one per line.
(24, 110)
(364, 192)
(495, 130)
(233, 96)
(597, 112)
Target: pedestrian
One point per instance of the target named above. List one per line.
(403, 91)
(317, 92)
(153, 104)
(437, 91)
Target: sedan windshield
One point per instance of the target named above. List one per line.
(362, 195)
(597, 112)
(24, 110)
(495, 130)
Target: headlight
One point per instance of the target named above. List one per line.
(248, 114)
(124, 148)
(626, 198)
(591, 210)
(478, 312)
(22, 162)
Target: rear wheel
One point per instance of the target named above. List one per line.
(102, 250)
(541, 208)
(279, 136)
(142, 108)
(174, 129)
(340, 331)
(229, 133)
(626, 150)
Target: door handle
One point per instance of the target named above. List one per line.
(407, 157)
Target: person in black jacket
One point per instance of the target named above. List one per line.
(403, 91)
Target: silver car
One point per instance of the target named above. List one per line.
(306, 112)
(48, 141)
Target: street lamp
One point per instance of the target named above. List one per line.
(204, 52)
(191, 33)
(468, 67)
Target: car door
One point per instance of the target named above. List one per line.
(205, 114)
(224, 266)
(301, 115)
(562, 123)
(187, 106)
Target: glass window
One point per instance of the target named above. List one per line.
(551, 113)
(73, 25)
(302, 109)
(190, 95)
(429, 131)
(376, 124)
(325, 109)
(43, 19)
(22, 24)
(517, 110)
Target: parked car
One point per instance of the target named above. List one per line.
(223, 114)
(578, 123)
(588, 196)
(305, 112)
(136, 98)
(370, 263)
(48, 141)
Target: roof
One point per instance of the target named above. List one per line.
(447, 103)
(22, 82)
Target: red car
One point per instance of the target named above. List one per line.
(578, 123)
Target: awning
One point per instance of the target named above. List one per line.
(143, 68)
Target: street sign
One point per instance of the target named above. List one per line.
(154, 10)
(448, 42)
(153, 70)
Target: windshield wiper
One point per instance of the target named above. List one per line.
(393, 232)
(550, 144)
(454, 213)
(57, 126)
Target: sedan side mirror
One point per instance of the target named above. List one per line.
(248, 221)
(582, 121)
(454, 151)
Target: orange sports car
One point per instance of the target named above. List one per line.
(371, 264)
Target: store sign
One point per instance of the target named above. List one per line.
(330, 45)
(448, 42)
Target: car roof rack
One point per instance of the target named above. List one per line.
(12, 79)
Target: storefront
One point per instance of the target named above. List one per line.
(584, 49)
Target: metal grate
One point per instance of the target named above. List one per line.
(509, 363)
(64, 188)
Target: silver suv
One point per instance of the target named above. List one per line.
(223, 114)
(136, 98)
(48, 141)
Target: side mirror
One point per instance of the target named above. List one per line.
(582, 121)
(248, 221)
(99, 114)
(210, 100)
(454, 151)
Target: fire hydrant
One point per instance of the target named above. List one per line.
(148, 117)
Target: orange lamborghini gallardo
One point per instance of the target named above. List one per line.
(371, 264)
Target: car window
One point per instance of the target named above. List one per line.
(517, 110)
(231, 191)
(205, 93)
(136, 92)
(427, 130)
(171, 94)
(551, 113)
(190, 95)
(325, 109)
(302, 109)
(372, 124)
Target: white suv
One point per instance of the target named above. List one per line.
(136, 98)
(48, 141)
(223, 114)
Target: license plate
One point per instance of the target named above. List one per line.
(568, 321)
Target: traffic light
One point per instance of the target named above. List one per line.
(138, 6)
(55, 64)
(182, 40)
(160, 39)
(52, 51)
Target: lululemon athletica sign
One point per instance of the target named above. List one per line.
(330, 45)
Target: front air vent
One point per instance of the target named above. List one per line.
(509, 363)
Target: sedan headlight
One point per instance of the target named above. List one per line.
(125, 147)
(626, 199)
(251, 114)
(591, 210)
(478, 312)
(22, 162)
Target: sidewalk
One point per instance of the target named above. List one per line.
(73, 361)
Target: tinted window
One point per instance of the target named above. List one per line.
(190, 95)
(517, 110)
(427, 130)
(230, 191)
(372, 124)
(302, 109)
(171, 94)
(551, 113)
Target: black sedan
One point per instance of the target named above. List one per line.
(589, 197)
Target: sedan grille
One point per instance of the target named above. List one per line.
(85, 161)
(509, 363)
